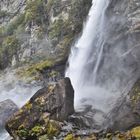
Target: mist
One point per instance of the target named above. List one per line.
(102, 67)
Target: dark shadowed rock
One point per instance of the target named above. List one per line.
(7, 108)
(86, 118)
(42, 113)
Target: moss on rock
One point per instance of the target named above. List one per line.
(37, 130)
(53, 128)
(135, 132)
(32, 70)
(70, 137)
(135, 93)
(41, 115)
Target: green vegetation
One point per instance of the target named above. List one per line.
(69, 137)
(36, 12)
(28, 105)
(14, 24)
(61, 31)
(56, 29)
(135, 93)
(23, 132)
(49, 5)
(33, 69)
(53, 129)
(37, 130)
(44, 137)
(8, 48)
(11, 44)
(3, 14)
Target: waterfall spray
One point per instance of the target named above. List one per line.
(91, 42)
(98, 72)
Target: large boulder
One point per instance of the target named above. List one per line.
(42, 113)
(7, 108)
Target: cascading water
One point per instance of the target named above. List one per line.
(99, 70)
(83, 70)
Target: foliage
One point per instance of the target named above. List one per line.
(56, 28)
(49, 5)
(2, 30)
(3, 14)
(14, 24)
(8, 49)
(35, 11)
(11, 43)
(44, 137)
(53, 129)
(135, 132)
(40, 33)
(28, 105)
(69, 137)
(33, 69)
(23, 132)
(36, 130)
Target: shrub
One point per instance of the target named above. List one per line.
(3, 14)
(11, 43)
(13, 25)
(35, 11)
(8, 49)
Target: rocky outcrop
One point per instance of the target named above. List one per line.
(7, 108)
(39, 30)
(41, 114)
(133, 134)
(126, 113)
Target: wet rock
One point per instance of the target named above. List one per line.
(53, 73)
(126, 114)
(85, 119)
(41, 114)
(7, 108)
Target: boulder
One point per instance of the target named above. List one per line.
(40, 115)
(7, 108)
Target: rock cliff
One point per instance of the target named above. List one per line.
(39, 30)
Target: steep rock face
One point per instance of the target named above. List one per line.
(121, 34)
(36, 118)
(126, 114)
(122, 46)
(39, 30)
(10, 8)
(122, 51)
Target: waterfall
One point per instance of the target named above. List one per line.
(100, 68)
(91, 42)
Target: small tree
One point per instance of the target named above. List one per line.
(9, 48)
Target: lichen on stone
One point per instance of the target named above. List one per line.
(37, 130)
